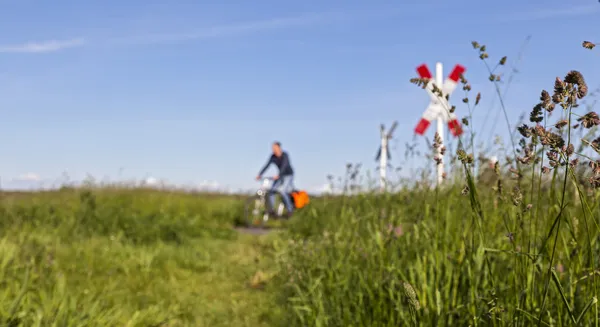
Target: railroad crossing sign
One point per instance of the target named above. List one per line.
(439, 107)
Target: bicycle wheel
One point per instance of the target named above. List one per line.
(255, 213)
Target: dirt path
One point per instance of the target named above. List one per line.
(256, 230)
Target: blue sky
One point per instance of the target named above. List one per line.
(195, 91)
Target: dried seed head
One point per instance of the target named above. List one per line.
(559, 89)
(421, 82)
(465, 121)
(589, 120)
(524, 130)
(465, 100)
(561, 123)
(596, 144)
(503, 61)
(545, 170)
(588, 45)
(595, 165)
(437, 140)
(517, 196)
(436, 90)
(546, 101)
(499, 186)
(536, 115)
(570, 149)
(475, 45)
(478, 98)
(464, 157)
(576, 78)
(574, 163)
(452, 109)
(465, 190)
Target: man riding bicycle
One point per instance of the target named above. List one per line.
(284, 182)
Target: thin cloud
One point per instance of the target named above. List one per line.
(236, 29)
(43, 46)
(575, 11)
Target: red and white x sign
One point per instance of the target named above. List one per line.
(439, 106)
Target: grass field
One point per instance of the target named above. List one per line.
(110, 257)
(523, 250)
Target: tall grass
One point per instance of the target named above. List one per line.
(522, 252)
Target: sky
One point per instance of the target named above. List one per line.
(195, 92)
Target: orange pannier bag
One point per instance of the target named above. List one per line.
(300, 199)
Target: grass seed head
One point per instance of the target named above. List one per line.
(410, 296)
(536, 115)
(589, 120)
(588, 45)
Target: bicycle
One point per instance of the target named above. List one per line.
(257, 206)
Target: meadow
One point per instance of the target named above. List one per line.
(521, 250)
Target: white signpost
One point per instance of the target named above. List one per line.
(383, 154)
(439, 107)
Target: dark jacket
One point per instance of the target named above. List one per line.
(283, 163)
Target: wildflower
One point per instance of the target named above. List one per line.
(398, 231)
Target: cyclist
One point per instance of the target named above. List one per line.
(284, 182)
